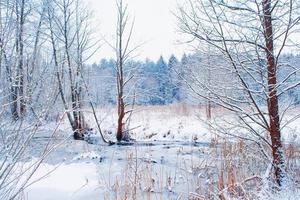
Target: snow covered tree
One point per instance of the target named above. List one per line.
(161, 71)
(70, 39)
(174, 83)
(250, 36)
(16, 53)
(125, 71)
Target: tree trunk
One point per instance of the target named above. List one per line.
(120, 101)
(21, 64)
(33, 63)
(120, 75)
(60, 85)
(121, 114)
(18, 97)
(78, 124)
(273, 110)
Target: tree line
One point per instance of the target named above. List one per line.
(162, 82)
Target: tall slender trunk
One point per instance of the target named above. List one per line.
(273, 110)
(15, 84)
(60, 85)
(120, 102)
(33, 62)
(121, 114)
(120, 74)
(18, 97)
(76, 124)
(79, 72)
(21, 61)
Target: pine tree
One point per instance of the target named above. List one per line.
(162, 78)
(174, 82)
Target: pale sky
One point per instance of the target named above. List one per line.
(154, 24)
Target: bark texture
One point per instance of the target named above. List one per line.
(273, 110)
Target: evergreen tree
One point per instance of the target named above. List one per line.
(162, 80)
(174, 83)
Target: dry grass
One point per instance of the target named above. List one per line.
(227, 171)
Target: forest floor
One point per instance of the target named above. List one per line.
(175, 157)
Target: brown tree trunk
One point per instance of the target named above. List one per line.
(122, 55)
(120, 77)
(273, 110)
(121, 114)
(121, 105)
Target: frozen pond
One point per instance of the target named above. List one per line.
(146, 170)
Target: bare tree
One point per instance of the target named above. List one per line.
(19, 107)
(251, 36)
(14, 22)
(123, 53)
(20, 41)
(18, 135)
(70, 40)
(33, 62)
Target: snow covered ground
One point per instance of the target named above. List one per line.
(162, 170)
(68, 181)
(180, 122)
(166, 164)
(177, 122)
